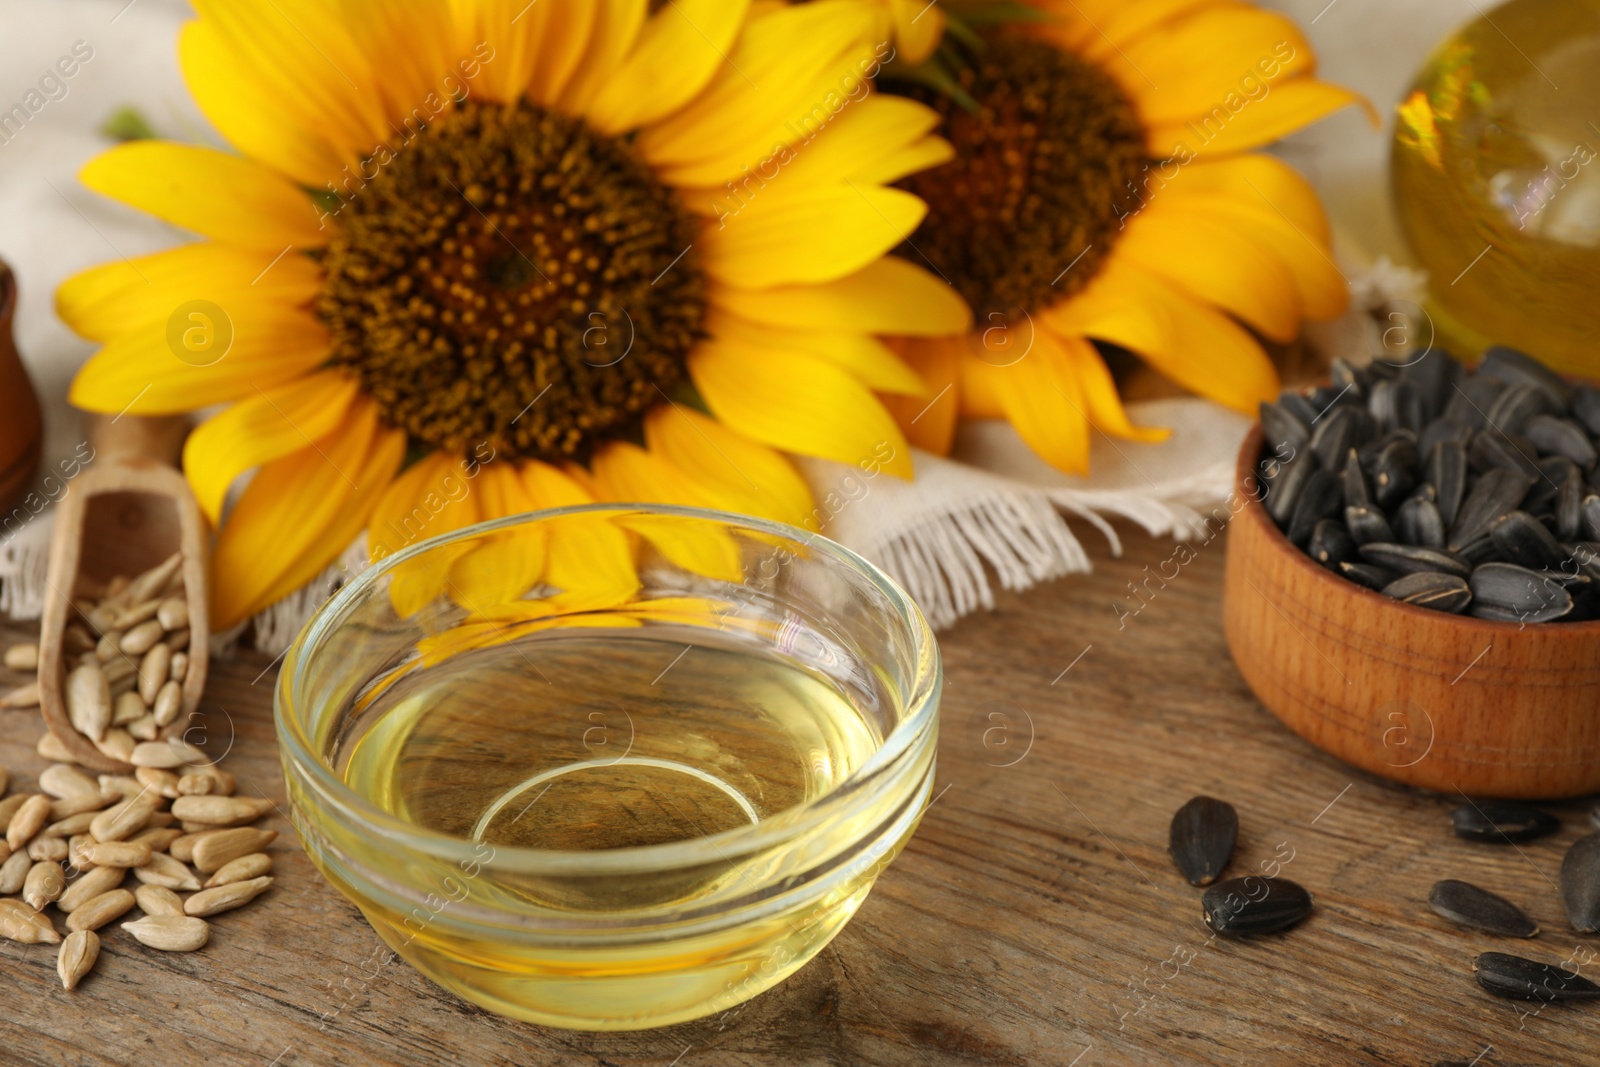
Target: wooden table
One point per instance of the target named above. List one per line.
(1034, 919)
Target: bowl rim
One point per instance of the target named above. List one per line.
(917, 729)
(1250, 455)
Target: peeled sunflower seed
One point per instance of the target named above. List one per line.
(1580, 883)
(29, 820)
(214, 848)
(170, 933)
(220, 811)
(24, 657)
(1517, 978)
(20, 923)
(1429, 589)
(79, 951)
(64, 780)
(90, 885)
(95, 913)
(45, 883)
(244, 868)
(223, 898)
(1502, 822)
(1464, 903)
(162, 870)
(88, 701)
(1241, 907)
(23, 696)
(1201, 838)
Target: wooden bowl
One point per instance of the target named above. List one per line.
(1445, 702)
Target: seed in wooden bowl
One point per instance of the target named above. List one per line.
(1202, 837)
(170, 933)
(1518, 978)
(1502, 822)
(1463, 903)
(1429, 589)
(95, 913)
(223, 898)
(1242, 907)
(79, 951)
(141, 638)
(20, 923)
(1580, 883)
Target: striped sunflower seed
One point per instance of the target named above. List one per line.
(1517, 978)
(1580, 883)
(1242, 907)
(1201, 839)
(1440, 592)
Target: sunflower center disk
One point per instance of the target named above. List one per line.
(511, 277)
(1037, 178)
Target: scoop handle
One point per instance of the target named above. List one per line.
(156, 438)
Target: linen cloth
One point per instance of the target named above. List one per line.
(991, 512)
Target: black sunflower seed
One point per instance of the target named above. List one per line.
(1471, 399)
(1320, 498)
(1580, 883)
(1418, 522)
(1340, 430)
(1367, 524)
(1589, 522)
(1410, 559)
(1524, 540)
(1586, 407)
(1394, 472)
(1594, 816)
(1440, 430)
(1491, 449)
(1347, 378)
(1569, 507)
(1514, 367)
(1282, 428)
(1510, 593)
(1285, 488)
(1501, 822)
(1433, 371)
(1447, 472)
(1483, 550)
(1356, 493)
(1517, 978)
(1429, 589)
(1374, 578)
(1464, 903)
(1513, 408)
(1241, 907)
(1560, 437)
(1331, 544)
(1491, 496)
(1202, 837)
(1295, 403)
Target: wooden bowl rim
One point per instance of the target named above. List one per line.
(1250, 454)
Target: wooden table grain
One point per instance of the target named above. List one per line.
(1035, 918)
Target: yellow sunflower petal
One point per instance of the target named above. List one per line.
(918, 28)
(738, 473)
(678, 51)
(616, 28)
(810, 235)
(261, 428)
(552, 488)
(1231, 58)
(1199, 348)
(1040, 397)
(1124, 24)
(709, 551)
(869, 359)
(430, 499)
(1216, 263)
(789, 75)
(1266, 182)
(209, 192)
(929, 421)
(141, 372)
(299, 513)
(1099, 391)
(1290, 106)
(247, 114)
(1324, 291)
(889, 296)
(626, 473)
(104, 301)
(503, 566)
(292, 53)
(419, 48)
(536, 46)
(591, 562)
(812, 408)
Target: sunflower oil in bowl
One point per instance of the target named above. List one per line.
(592, 741)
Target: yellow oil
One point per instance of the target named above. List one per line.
(590, 741)
(1496, 173)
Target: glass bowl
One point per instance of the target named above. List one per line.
(610, 767)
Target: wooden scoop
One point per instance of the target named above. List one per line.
(127, 512)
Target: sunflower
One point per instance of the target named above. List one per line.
(1104, 195)
(473, 258)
